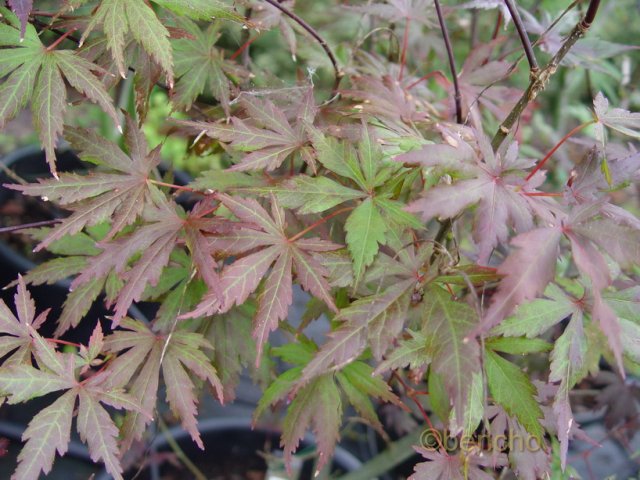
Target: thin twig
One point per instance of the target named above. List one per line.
(452, 62)
(12, 175)
(316, 36)
(556, 147)
(539, 81)
(177, 450)
(15, 228)
(524, 38)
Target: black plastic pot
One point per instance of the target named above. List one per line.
(29, 164)
(231, 451)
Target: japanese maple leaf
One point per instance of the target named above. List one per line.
(384, 97)
(375, 320)
(367, 169)
(476, 83)
(142, 355)
(495, 185)
(266, 138)
(117, 18)
(531, 266)
(37, 74)
(16, 339)
(372, 173)
(118, 194)
(156, 239)
(200, 67)
(446, 324)
(274, 261)
(529, 460)
(618, 119)
(318, 405)
(50, 430)
(72, 255)
(458, 466)
(568, 366)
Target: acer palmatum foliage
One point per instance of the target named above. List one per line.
(442, 254)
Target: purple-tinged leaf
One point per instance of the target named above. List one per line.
(443, 466)
(528, 269)
(97, 429)
(273, 301)
(22, 9)
(618, 119)
(567, 367)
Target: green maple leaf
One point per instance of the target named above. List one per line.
(535, 317)
(372, 179)
(318, 404)
(37, 74)
(512, 389)
(119, 17)
(200, 67)
(456, 358)
(368, 224)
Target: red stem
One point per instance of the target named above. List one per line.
(43, 223)
(60, 39)
(411, 394)
(243, 47)
(299, 235)
(553, 150)
(543, 194)
(171, 185)
(405, 43)
(427, 77)
(63, 342)
(497, 27)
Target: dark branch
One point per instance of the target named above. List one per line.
(452, 62)
(539, 81)
(592, 11)
(15, 228)
(316, 36)
(524, 38)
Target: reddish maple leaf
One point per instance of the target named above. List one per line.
(166, 224)
(443, 466)
(265, 137)
(50, 430)
(16, 339)
(118, 195)
(277, 253)
(142, 354)
(495, 184)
